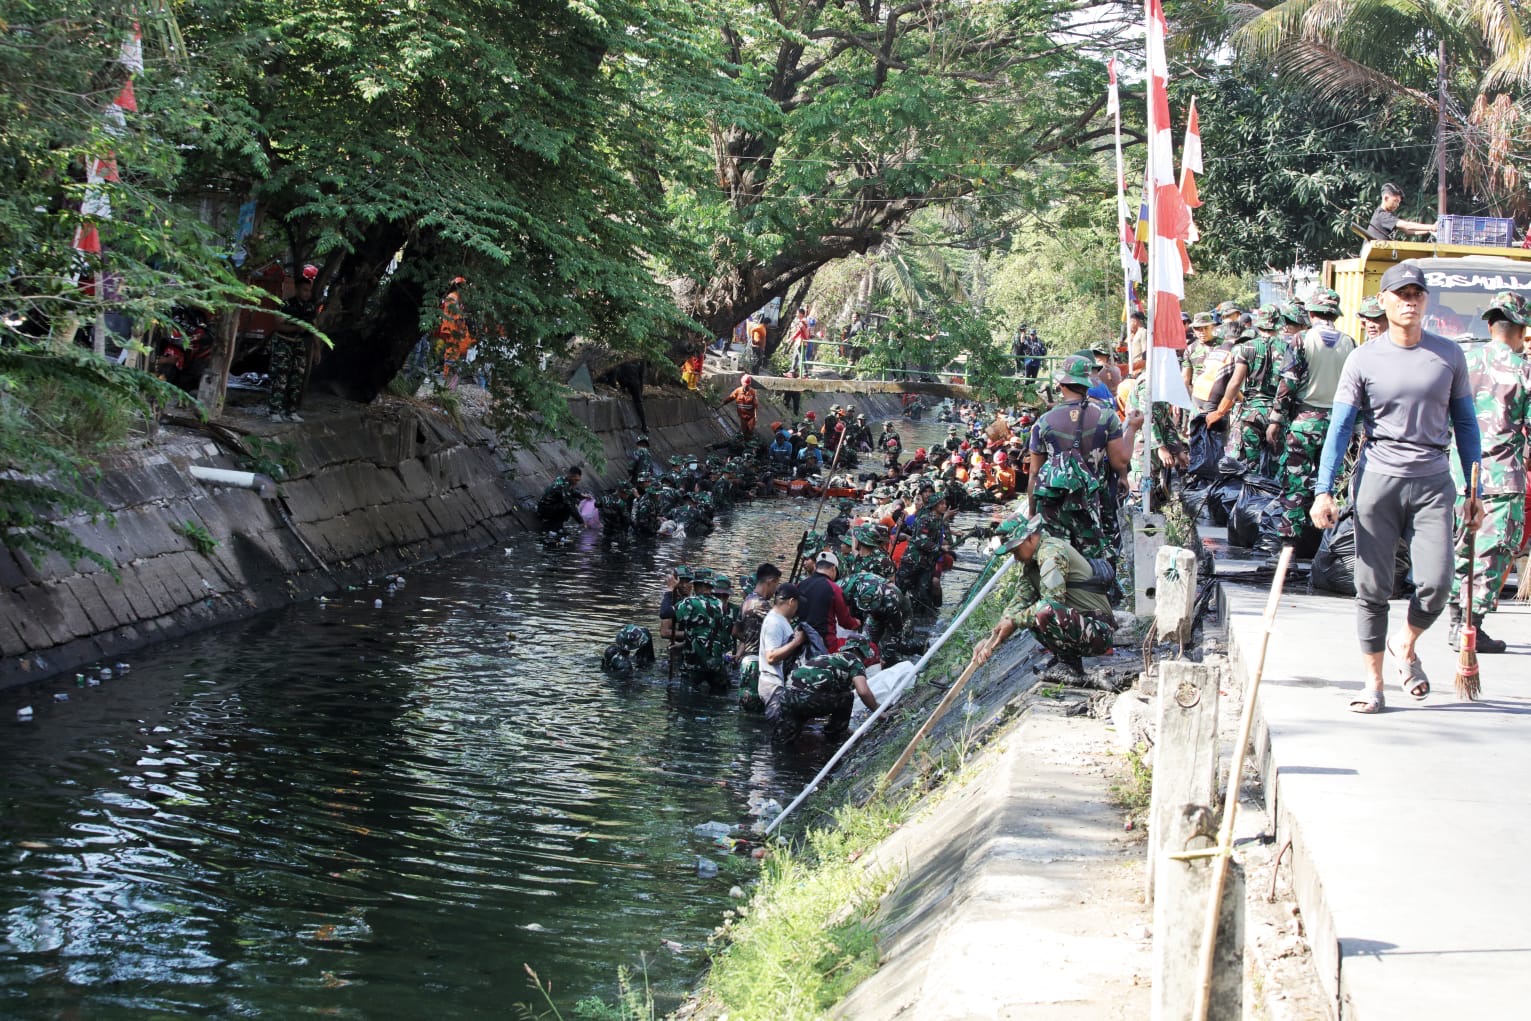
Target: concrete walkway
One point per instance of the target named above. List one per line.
(1411, 830)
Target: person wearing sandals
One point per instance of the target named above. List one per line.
(1412, 392)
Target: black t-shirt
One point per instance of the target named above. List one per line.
(1384, 224)
(816, 597)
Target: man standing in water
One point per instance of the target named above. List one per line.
(779, 643)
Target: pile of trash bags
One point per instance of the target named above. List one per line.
(1334, 564)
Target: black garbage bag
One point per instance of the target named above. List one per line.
(1258, 504)
(1224, 492)
(1206, 451)
(1334, 565)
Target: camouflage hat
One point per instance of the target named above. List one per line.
(684, 572)
(722, 583)
(865, 534)
(1075, 372)
(1324, 301)
(1202, 319)
(1024, 528)
(847, 504)
(1371, 308)
(1292, 312)
(850, 408)
(859, 646)
(1507, 305)
(701, 576)
(1102, 347)
(1265, 316)
(1229, 308)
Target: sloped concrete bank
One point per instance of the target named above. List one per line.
(375, 489)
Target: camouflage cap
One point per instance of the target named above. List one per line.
(865, 534)
(701, 576)
(683, 572)
(1292, 312)
(1102, 347)
(1507, 305)
(1265, 316)
(1371, 308)
(1024, 529)
(721, 582)
(1202, 319)
(858, 645)
(1075, 372)
(1324, 301)
(1229, 308)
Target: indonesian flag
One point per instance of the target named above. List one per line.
(1172, 224)
(1127, 242)
(1190, 166)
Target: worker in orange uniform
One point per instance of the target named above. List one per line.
(453, 338)
(747, 401)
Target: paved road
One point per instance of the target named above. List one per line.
(1412, 829)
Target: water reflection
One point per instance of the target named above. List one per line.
(385, 813)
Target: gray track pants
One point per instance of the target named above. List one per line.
(1389, 509)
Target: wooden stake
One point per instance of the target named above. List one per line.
(935, 717)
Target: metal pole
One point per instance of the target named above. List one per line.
(1153, 300)
(1440, 129)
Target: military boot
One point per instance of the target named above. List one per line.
(1485, 643)
(1454, 636)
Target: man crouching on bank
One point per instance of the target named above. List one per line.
(1061, 598)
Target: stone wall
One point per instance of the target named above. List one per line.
(376, 489)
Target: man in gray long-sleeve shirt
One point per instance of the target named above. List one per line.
(1412, 391)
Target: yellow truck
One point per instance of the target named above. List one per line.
(1462, 279)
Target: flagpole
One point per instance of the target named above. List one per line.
(1148, 276)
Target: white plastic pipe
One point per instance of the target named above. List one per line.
(263, 485)
(904, 684)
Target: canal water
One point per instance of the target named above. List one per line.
(359, 812)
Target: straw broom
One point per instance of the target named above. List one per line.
(1466, 681)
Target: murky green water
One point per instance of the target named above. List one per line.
(386, 812)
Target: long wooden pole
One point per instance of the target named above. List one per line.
(935, 717)
(1231, 799)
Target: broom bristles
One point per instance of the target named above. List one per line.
(1466, 681)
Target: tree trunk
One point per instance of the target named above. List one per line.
(373, 317)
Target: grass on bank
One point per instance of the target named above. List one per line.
(806, 938)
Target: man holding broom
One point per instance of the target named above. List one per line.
(1060, 596)
(1498, 382)
(1412, 392)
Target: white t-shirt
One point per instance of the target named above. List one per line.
(774, 633)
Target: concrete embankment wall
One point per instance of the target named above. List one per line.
(376, 489)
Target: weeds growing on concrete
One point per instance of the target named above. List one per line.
(806, 938)
(200, 538)
(270, 457)
(1135, 791)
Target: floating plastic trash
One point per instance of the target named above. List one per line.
(106, 673)
(93, 682)
(713, 830)
(61, 696)
(24, 713)
(706, 868)
(377, 604)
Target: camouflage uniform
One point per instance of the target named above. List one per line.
(752, 614)
(1502, 393)
(616, 509)
(927, 540)
(823, 686)
(559, 503)
(633, 648)
(707, 641)
(1162, 423)
(648, 511)
(289, 358)
(884, 611)
(1070, 486)
(1261, 356)
(1055, 597)
(640, 462)
(1306, 426)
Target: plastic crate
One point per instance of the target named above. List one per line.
(1493, 231)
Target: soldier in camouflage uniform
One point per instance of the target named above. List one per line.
(824, 686)
(648, 507)
(1299, 418)
(1060, 596)
(616, 508)
(885, 613)
(641, 460)
(1256, 372)
(840, 525)
(560, 501)
(752, 614)
(1502, 395)
(1073, 447)
(708, 644)
(1169, 444)
(868, 554)
(928, 540)
(632, 649)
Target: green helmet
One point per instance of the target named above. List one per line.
(1508, 305)
(1075, 372)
